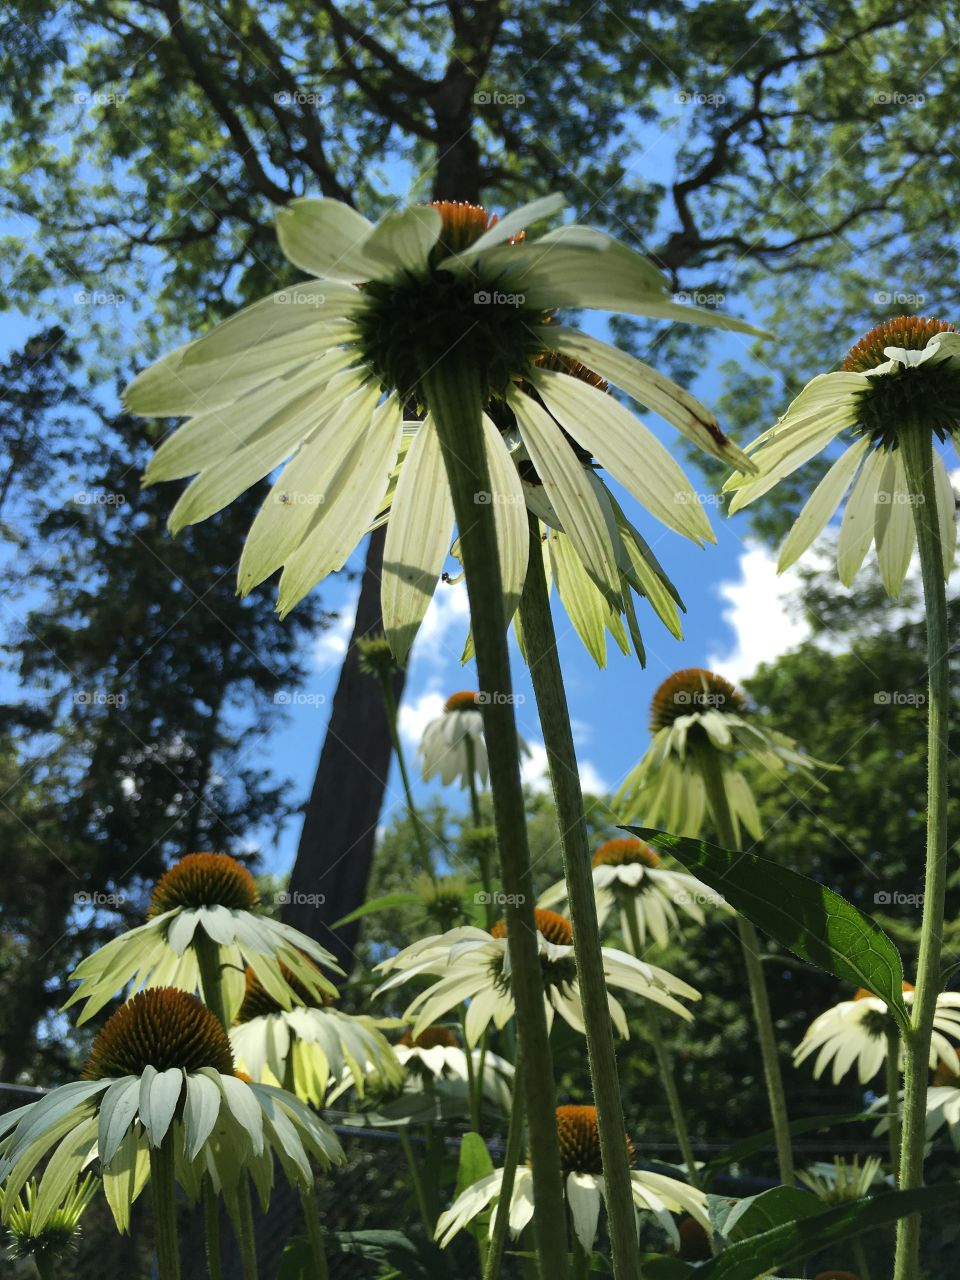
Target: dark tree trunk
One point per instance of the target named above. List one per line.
(329, 877)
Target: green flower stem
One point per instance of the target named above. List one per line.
(547, 678)
(245, 1233)
(472, 1082)
(420, 834)
(311, 1216)
(211, 986)
(581, 1259)
(211, 978)
(711, 771)
(918, 460)
(893, 1095)
(163, 1191)
(651, 1027)
(472, 776)
(48, 1266)
(511, 1159)
(211, 1217)
(419, 1194)
(860, 1257)
(453, 393)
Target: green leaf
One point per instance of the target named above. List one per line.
(809, 919)
(770, 1209)
(793, 1241)
(475, 1161)
(387, 903)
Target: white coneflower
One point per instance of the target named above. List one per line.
(584, 1187)
(628, 877)
(206, 899)
(324, 370)
(473, 965)
(310, 1047)
(437, 1055)
(840, 1180)
(855, 1031)
(160, 1072)
(904, 374)
(453, 745)
(698, 709)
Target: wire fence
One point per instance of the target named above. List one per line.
(373, 1191)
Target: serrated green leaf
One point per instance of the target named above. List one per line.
(809, 919)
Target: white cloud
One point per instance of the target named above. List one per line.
(591, 780)
(415, 715)
(755, 608)
(444, 630)
(535, 773)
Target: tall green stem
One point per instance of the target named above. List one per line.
(211, 978)
(419, 831)
(246, 1236)
(711, 770)
(426, 1217)
(453, 394)
(211, 1218)
(511, 1159)
(651, 1026)
(860, 1257)
(163, 1191)
(918, 459)
(472, 782)
(311, 1215)
(893, 1095)
(547, 678)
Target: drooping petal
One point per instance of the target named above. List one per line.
(352, 499)
(627, 449)
(822, 503)
(856, 527)
(651, 388)
(418, 539)
(583, 1197)
(893, 525)
(946, 512)
(510, 515)
(584, 519)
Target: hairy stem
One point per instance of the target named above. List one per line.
(893, 1096)
(419, 831)
(510, 1161)
(311, 1216)
(453, 394)
(163, 1195)
(918, 459)
(651, 1027)
(711, 770)
(211, 1217)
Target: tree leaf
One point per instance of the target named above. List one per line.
(386, 903)
(809, 919)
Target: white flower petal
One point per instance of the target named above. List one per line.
(325, 238)
(946, 512)
(510, 515)
(403, 241)
(418, 539)
(584, 519)
(822, 503)
(893, 524)
(510, 225)
(583, 1197)
(627, 449)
